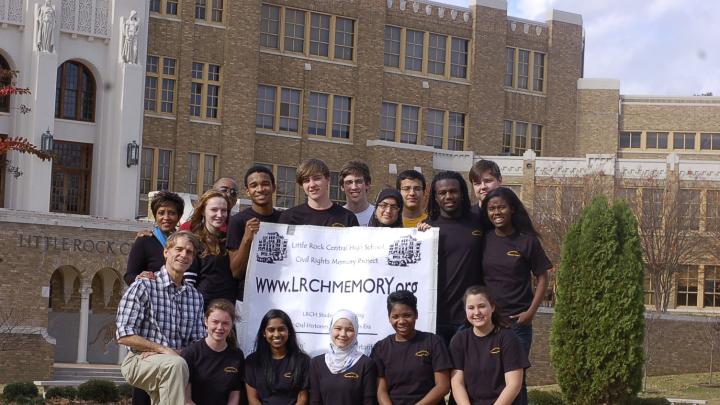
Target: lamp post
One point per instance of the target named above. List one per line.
(133, 153)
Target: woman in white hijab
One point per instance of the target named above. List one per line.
(343, 375)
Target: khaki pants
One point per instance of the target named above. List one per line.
(163, 376)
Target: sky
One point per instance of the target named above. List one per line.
(654, 47)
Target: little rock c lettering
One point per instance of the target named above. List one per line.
(47, 243)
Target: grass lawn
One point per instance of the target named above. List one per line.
(690, 386)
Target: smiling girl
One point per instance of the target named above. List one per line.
(343, 375)
(277, 371)
(413, 366)
(488, 360)
(214, 278)
(215, 363)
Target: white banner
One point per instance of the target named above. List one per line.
(311, 272)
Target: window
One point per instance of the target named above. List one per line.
(294, 30)
(270, 26)
(265, 116)
(571, 203)
(459, 58)
(320, 35)
(629, 194)
(436, 54)
(656, 140)
(193, 165)
(456, 131)
(4, 81)
(209, 169)
(409, 124)
(507, 138)
(509, 66)
(164, 163)
(285, 179)
(523, 68)
(388, 116)
(75, 92)
(202, 169)
(71, 177)
(160, 72)
(317, 124)
(649, 290)
(434, 123)
(689, 201)
(630, 139)
(711, 292)
(392, 46)
(205, 90)
(538, 71)
(653, 207)
(336, 193)
(712, 211)
(414, 50)
(520, 137)
(289, 110)
(146, 170)
(516, 135)
(282, 116)
(687, 286)
(155, 170)
(167, 7)
(341, 117)
(684, 140)
(216, 10)
(709, 141)
(344, 38)
(536, 139)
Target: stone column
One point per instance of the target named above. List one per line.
(85, 293)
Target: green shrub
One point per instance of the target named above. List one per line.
(23, 400)
(598, 326)
(14, 391)
(125, 390)
(61, 392)
(545, 398)
(98, 390)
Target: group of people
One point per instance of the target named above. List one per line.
(177, 315)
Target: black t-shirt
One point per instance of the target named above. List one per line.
(409, 367)
(356, 386)
(146, 254)
(507, 264)
(214, 278)
(459, 265)
(282, 392)
(236, 231)
(488, 359)
(236, 228)
(213, 375)
(304, 215)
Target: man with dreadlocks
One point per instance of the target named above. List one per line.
(459, 250)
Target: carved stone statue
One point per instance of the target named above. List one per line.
(45, 24)
(130, 30)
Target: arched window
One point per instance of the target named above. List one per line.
(75, 92)
(4, 81)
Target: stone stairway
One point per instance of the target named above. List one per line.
(65, 374)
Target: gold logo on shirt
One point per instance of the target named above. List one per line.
(513, 253)
(230, 370)
(477, 232)
(423, 353)
(288, 375)
(495, 350)
(352, 375)
(338, 225)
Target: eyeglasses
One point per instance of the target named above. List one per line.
(357, 182)
(391, 207)
(416, 189)
(226, 190)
